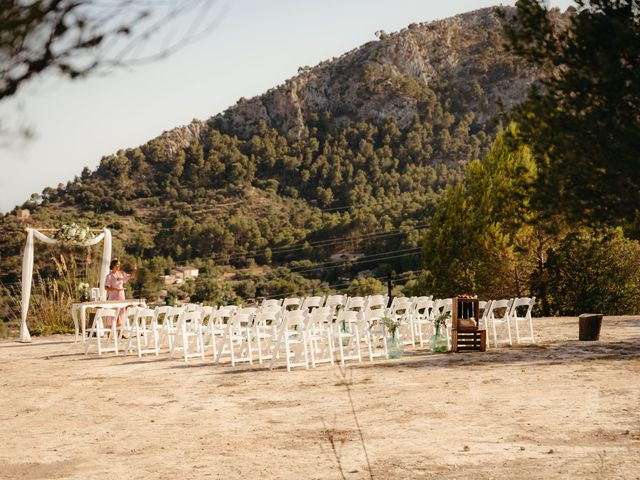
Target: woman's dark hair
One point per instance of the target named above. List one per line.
(113, 263)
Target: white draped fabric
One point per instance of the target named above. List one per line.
(27, 270)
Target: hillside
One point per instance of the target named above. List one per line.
(347, 156)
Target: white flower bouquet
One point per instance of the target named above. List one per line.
(73, 234)
(83, 291)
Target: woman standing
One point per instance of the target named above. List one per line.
(114, 284)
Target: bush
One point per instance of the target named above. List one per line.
(366, 286)
(598, 273)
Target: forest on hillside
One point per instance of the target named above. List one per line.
(281, 201)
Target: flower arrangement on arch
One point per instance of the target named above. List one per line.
(73, 234)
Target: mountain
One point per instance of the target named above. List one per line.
(348, 156)
(460, 59)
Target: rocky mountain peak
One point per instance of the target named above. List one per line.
(393, 77)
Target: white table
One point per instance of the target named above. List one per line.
(82, 308)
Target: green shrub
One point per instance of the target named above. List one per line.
(366, 286)
(597, 273)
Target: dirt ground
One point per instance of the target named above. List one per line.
(560, 409)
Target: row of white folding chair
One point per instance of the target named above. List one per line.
(500, 313)
(305, 338)
(313, 337)
(370, 302)
(333, 301)
(494, 314)
(275, 332)
(416, 315)
(439, 307)
(295, 303)
(105, 329)
(496, 317)
(240, 333)
(177, 328)
(137, 322)
(180, 329)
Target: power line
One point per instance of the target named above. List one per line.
(400, 276)
(365, 261)
(314, 244)
(356, 260)
(327, 265)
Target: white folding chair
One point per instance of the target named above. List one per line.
(237, 341)
(292, 341)
(265, 330)
(319, 335)
(217, 326)
(187, 336)
(445, 306)
(500, 321)
(335, 301)
(209, 326)
(104, 329)
(355, 303)
(401, 310)
(271, 302)
(292, 303)
(373, 333)
(128, 318)
(346, 332)
(144, 332)
(483, 320)
(422, 317)
(375, 302)
(309, 303)
(526, 304)
(168, 328)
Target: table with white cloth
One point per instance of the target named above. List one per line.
(79, 311)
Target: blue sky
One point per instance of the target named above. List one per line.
(257, 45)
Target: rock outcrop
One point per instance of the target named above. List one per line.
(460, 59)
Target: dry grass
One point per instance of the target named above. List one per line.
(51, 299)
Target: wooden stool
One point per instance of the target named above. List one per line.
(470, 341)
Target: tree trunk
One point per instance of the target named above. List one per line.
(589, 324)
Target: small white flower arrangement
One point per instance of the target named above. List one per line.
(73, 234)
(83, 291)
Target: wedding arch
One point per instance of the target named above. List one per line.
(27, 265)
